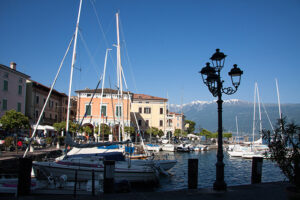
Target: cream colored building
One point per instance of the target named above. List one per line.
(12, 89)
(150, 111)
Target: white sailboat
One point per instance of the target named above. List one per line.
(84, 165)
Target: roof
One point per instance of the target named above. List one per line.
(174, 113)
(47, 89)
(105, 90)
(14, 71)
(147, 97)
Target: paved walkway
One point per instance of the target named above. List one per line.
(265, 191)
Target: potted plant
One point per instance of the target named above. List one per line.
(284, 149)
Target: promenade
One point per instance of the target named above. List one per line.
(264, 191)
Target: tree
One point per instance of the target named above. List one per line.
(61, 126)
(130, 130)
(190, 126)
(87, 130)
(153, 131)
(206, 133)
(177, 132)
(104, 129)
(14, 121)
(227, 135)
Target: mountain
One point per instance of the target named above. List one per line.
(204, 114)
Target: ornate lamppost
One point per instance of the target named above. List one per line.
(211, 76)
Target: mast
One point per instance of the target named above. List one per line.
(120, 82)
(104, 71)
(259, 111)
(278, 98)
(254, 103)
(72, 68)
(237, 128)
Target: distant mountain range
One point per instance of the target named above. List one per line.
(204, 114)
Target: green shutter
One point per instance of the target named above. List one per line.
(103, 110)
(19, 107)
(4, 104)
(88, 110)
(5, 85)
(20, 89)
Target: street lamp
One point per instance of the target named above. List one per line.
(212, 79)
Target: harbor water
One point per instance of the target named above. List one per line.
(237, 171)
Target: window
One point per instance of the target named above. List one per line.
(177, 124)
(161, 111)
(19, 107)
(50, 116)
(4, 104)
(88, 110)
(147, 110)
(140, 122)
(20, 80)
(147, 122)
(88, 95)
(37, 99)
(140, 110)
(103, 110)
(147, 101)
(161, 123)
(5, 75)
(44, 100)
(20, 90)
(55, 117)
(36, 114)
(5, 85)
(118, 111)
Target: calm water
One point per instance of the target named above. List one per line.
(237, 171)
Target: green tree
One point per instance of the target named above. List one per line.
(153, 131)
(177, 132)
(130, 130)
(104, 129)
(206, 133)
(87, 130)
(227, 135)
(14, 121)
(190, 126)
(61, 126)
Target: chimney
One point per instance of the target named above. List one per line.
(13, 65)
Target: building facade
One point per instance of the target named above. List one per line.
(12, 89)
(56, 108)
(115, 109)
(150, 111)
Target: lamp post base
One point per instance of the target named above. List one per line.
(220, 185)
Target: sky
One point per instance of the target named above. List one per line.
(164, 44)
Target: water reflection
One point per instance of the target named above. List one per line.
(237, 171)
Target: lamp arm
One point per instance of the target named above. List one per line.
(229, 90)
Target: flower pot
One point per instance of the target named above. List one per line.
(293, 193)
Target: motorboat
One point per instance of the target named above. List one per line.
(168, 147)
(153, 147)
(87, 165)
(201, 147)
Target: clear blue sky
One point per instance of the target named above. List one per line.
(167, 42)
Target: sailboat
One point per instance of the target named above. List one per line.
(85, 165)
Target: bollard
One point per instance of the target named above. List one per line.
(24, 175)
(75, 184)
(192, 173)
(109, 175)
(93, 182)
(256, 170)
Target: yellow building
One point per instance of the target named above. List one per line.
(150, 111)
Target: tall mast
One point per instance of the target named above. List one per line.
(237, 128)
(259, 111)
(254, 103)
(120, 82)
(104, 71)
(278, 98)
(72, 68)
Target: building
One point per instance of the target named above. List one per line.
(55, 110)
(12, 89)
(150, 111)
(175, 121)
(114, 111)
